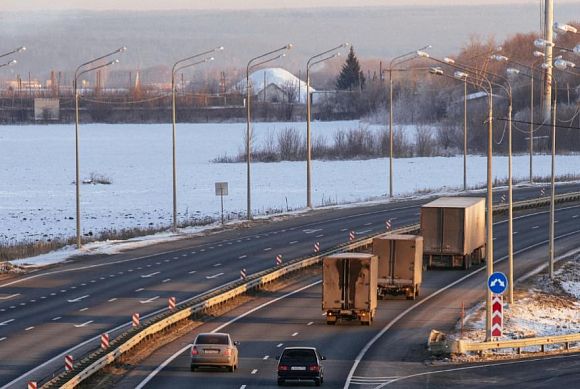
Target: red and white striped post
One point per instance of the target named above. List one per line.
(105, 341)
(388, 225)
(278, 259)
(243, 274)
(317, 247)
(68, 362)
(496, 316)
(171, 303)
(135, 320)
(32, 385)
(542, 192)
(351, 235)
(502, 200)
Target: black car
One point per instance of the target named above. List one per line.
(300, 364)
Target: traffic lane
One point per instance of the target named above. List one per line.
(557, 371)
(406, 339)
(294, 321)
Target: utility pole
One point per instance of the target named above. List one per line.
(548, 36)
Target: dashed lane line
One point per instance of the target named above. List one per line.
(84, 324)
(29, 328)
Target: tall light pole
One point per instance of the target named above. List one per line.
(548, 37)
(252, 64)
(80, 70)
(176, 67)
(309, 64)
(489, 218)
(9, 63)
(395, 62)
(18, 50)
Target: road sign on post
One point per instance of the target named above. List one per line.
(497, 316)
(497, 283)
(221, 189)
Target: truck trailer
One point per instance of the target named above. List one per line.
(400, 264)
(453, 230)
(349, 287)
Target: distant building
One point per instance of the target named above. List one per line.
(275, 85)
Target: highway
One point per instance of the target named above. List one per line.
(393, 348)
(49, 312)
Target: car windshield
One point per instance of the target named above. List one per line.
(212, 339)
(306, 356)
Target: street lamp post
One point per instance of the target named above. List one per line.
(9, 63)
(18, 50)
(174, 69)
(78, 72)
(394, 62)
(251, 64)
(309, 64)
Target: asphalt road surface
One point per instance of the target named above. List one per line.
(391, 349)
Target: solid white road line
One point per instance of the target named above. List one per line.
(9, 297)
(218, 329)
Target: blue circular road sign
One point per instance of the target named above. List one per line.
(497, 283)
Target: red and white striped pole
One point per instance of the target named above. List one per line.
(317, 247)
(32, 385)
(135, 320)
(351, 235)
(278, 259)
(243, 274)
(105, 341)
(68, 362)
(388, 225)
(171, 303)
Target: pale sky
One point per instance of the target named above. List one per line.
(143, 5)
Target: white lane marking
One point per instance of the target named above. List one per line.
(193, 272)
(83, 284)
(56, 318)
(217, 265)
(2, 310)
(193, 253)
(202, 250)
(32, 301)
(279, 345)
(84, 324)
(214, 276)
(535, 227)
(139, 268)
(101, 278)
(241, 387)
(294, 334)
(254, 371)
(23, 304)
(574, 217)
(220, 245)
(344, 229)
(9, 297)
(268, 249)
(158, 263)
(130, 271)
(311, 230)
(113, 299)
(368, 224)
(556, 221)
(63, 291)
(149, 265)
(12, 306)
(319, 236)
(120, 273)
(218, 329)
(3, 338)
(78, 299)
(43, 297)
(229, 243)
(150, 275)
(212, 247)
(29, 328)
(93, 281)
(370, 343)
(166, 280)
(139, 290)
(363, 232)
(242, 256)
(175, 257)
(310, 323)
(149, 300)
(397, 379)
(166, 260)
(266, 357)
(184, 255)
(73, 287)
(6, 322)
(293, 242)
(84, 309)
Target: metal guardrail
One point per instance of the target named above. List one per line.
(463, 346)
(129, 339)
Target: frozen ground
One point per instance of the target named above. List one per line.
(37, 170)
(541, 307)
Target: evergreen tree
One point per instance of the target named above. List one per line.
(351, 76)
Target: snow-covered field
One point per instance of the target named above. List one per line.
(37, 170)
